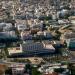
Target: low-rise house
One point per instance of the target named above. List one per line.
(48, 46)
(45, 34)
(14, 50)
(54, 16)
(32, 47)
(36, 26)
(22, 27)
(57, 44)
(26, 35)
(64, 21)
(72, 19)
(8, 27)
(5, 26)
(54, 69)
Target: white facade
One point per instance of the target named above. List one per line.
(37, 47)
(17, 69)
(21, 27)
(47, 34)
(14, 50)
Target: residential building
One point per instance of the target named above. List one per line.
(45, 34)
(32, 47)
(72, 19)
(71, 44)
(36, 26)
(22, 27)
(67, 35)
(57, 44)
(26, 35)
(14, 50)
(17, 68)
(48, 46)
(50, 69)
(2, 24)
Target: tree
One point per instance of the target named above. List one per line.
(35, 72)
(8, 71)
(8, 14)
(71, 69)
(28, 69)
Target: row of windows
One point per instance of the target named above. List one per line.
(36, 51)
(16, 71)
(35, 47)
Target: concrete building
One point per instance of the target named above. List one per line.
(32, 47)
(22, 27)
(17, 68)
(67, 35)
(26, 35)
(36, 26)
(71, 44)
(14, 50)
(72, 19)
(50, 69)
(45, 34)
(5, 25)
(8, 36)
